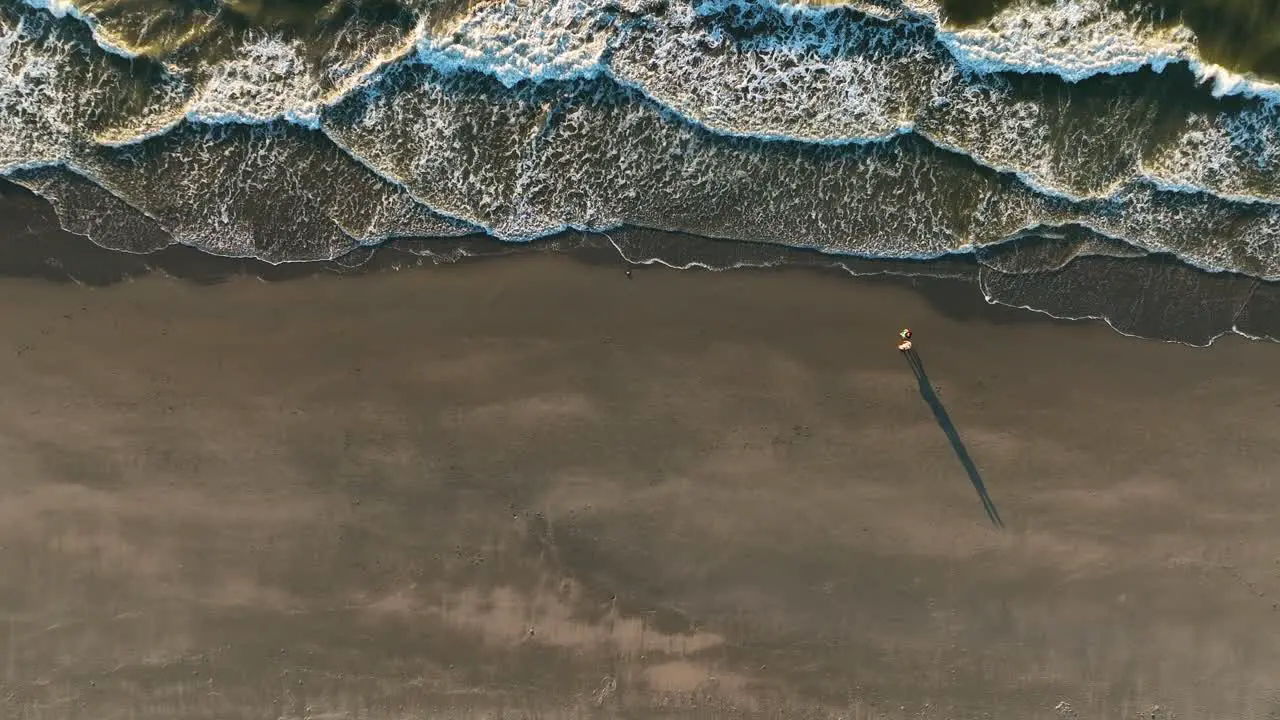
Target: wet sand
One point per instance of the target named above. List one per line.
(529, 486)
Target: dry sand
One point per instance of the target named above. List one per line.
(531, 486)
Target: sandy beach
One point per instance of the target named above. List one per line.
(533, 487)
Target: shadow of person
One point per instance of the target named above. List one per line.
(944, 421)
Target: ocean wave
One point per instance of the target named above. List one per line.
(1079, 39)
(242, 191)
(86, 208)
(605, 158)
(560, 39)
(854, 132)
(827, 76)
(101, 37)
(1153, 297)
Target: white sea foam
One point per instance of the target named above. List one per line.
(265, 79)
(824, 82)
(1078, 39)
(519, 40)
(268, 79)
(69, 8)
(1235, 153)
(1074, 39)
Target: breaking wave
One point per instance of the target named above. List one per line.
(875, 128)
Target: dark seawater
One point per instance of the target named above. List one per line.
(1059, 148)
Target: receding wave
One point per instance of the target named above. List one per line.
(1065, 273)
(879, 128)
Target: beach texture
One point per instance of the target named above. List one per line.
(534, 487)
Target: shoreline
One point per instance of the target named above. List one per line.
(1192, 307)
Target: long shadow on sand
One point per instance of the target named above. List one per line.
(944, 421)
